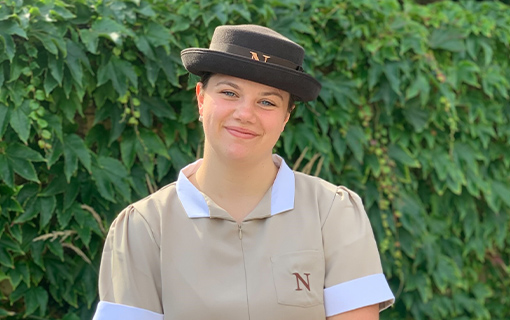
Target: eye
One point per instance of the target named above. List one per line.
(267, 103)
(228, 93)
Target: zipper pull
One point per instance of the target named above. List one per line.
(240, 232)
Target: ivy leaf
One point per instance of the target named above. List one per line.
(18, 158)
(157, 35)
(467, 72)
(111, 30)
(108, 174)
(417, 117)
(502, 190)
(355, 139)
(142, 43)
(47, 207)
(20, 121)
(5, 117)
(6, 258)
(447, 39)
(119, 72)
(8, 45)
(50, 37)
(90, 39)
(74, 149)
(152, 142)
(128, 148)
(403, 155)
(56, 67)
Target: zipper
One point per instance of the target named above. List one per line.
(240, 229)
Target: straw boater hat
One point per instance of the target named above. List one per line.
(254, 53)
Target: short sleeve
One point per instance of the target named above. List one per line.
(354, 277)
(130, 275)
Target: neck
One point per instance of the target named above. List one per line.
(222, 178)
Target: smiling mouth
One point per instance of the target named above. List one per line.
(241, 133)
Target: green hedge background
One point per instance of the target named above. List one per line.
(96, 111)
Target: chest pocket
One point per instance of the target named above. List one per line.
(299, 278)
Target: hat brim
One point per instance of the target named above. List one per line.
(299, 84)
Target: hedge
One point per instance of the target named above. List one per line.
(96, 111)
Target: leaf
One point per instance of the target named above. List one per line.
(355, 139)
(142, 43)
(72, 190)
(416, 116)
(110, 29)
(6, 172)
(159, 107)
(56, 67)
(75, 58)
(9, 45)
(403, 155)
(23, 167)
(11, 27)
(5, 117)
(20, 121)
(502, 190)
(31, 210)
(36, 298)
(119, 72)
(128, 148)
(447, 39)
(6, 258)
(90, 39)
(467, 72)
(152, 142)
(55, 246)
(420, 86)
(110, 173)
(50, 37)
(74, 149)
(17, 150)
(47, 207)
(392, 73)
(157, 35)
(49, 83)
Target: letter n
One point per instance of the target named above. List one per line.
(300, 279)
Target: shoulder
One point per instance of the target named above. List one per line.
(152, 204)
(329, 197)
(144, 215)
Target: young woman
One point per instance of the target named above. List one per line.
(239, 235)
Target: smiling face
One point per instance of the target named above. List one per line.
(242, 119)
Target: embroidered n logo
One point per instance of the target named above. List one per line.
(303, 282)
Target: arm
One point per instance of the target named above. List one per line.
(355, 287)
(365, 313)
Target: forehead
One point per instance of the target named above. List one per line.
(218, 79)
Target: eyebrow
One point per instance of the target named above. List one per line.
(264, 94)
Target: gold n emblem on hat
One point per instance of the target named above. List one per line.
(255, 56)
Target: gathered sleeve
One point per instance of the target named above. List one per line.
(354, 277)
(130, 275)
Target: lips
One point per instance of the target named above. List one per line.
(241, 132)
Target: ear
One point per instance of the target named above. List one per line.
(199, 91)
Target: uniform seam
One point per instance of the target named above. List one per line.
(148, 226)
(330, 207)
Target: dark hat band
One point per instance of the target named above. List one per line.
(255, 55)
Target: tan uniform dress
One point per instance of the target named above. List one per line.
(306, 251)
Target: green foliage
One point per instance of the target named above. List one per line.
(96, 111)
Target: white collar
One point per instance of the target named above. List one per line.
(195, 205)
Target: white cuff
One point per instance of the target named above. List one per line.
(358, 293)
(108, 311)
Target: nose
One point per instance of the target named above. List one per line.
(244, 111)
